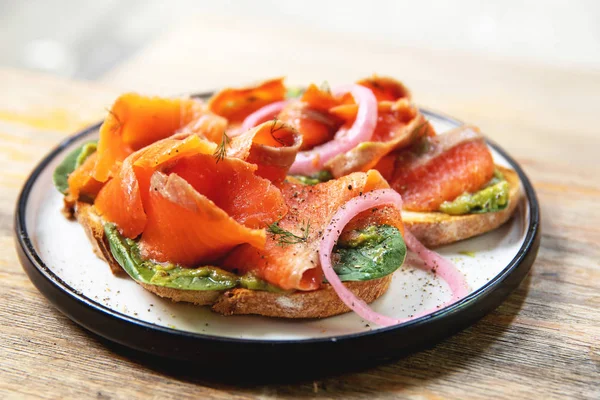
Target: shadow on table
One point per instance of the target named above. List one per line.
(450, 355)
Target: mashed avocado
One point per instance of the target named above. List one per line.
(493, 197)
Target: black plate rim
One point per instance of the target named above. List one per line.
(36, 268)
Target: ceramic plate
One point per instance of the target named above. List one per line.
(58, 258)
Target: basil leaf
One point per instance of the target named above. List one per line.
(377, 251)
(71, 162)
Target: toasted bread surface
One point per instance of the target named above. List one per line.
(436, 228)
(320, 303)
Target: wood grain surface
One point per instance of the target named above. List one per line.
(543, 342)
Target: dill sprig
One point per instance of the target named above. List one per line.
(114, 115)
(285, 237)
(275, 128)
(221, 149)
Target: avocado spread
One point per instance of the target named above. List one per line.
(369, 254)
(493, 197)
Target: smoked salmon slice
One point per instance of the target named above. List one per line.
(272, 146)
(321, 117)
(136, 121)
(236, 104)
(296, 266)
(186, 227)
(399, 124)
(81, 180)
(188, 206)
(439, 168)
(121, 199)
(385, 88)
(233, 186)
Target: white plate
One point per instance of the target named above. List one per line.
(66, 252)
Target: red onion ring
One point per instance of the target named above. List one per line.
(261, 115)
(312, 161)
(442, 267)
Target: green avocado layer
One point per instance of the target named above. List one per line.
(493, 197)
(371, 253)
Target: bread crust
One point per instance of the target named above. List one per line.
(320, 303)
(436, 228)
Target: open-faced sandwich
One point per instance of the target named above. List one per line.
(281, 202)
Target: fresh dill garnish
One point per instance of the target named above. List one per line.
(275, 128)
(221, 149)
(114, 115)
(418, 128)
(284, 237)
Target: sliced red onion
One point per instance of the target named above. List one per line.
(312, 161)
(442, 267)
(261, 115)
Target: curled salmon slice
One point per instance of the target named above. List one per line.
(121, 200)
(385, 88)
(399, 124)
(180, 180)
(272, 146)
(186, 227)
(296, 266)
(316, 125)
(135, 121)
(234, 186)
(235, 104)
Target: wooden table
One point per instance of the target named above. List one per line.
(543, 342)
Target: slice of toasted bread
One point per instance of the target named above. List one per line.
(319, 303)
(436, 228)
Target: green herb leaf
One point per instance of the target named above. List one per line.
(375, 252)
(70, 163)
(285, 237)
(221, 149)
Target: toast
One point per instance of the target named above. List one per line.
(320, 303)
(436, 228)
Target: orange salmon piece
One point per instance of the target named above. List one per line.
(237, 104)
(385, 88)
(465, 167)
(232, 185)
(81, 181)
(135, 121)
(296, 266)
(187, 228)
(122, 199)
(272, 146)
